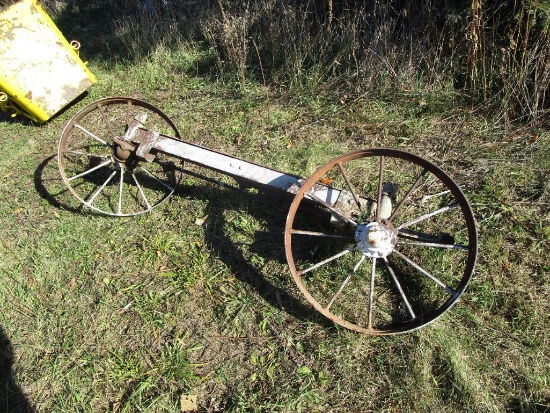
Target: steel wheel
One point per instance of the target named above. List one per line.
(104, 173)
(394, 252)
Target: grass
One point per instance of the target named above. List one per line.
(144, 314)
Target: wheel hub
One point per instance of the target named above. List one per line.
(375, 240)
(123, 152)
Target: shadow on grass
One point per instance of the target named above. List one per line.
(12, 398)
(268, 244)
(50, 186)
(112, 30)
(93, 24)
(522, 406)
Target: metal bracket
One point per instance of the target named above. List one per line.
(134, 126)
(146, 142)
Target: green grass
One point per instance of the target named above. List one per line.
(136, 314)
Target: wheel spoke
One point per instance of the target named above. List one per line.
(422, 236)
(141, 191)
(425, 272)
(435, 245)
(90, 201)
(121, 186)
(350, 186)
(353, 271)
(429, 215)
(427, 197)
(442, 240)
(95, 168)
(105, 120)
(371, 293)
(331, 208)
(321, 263)
(319, 234)
(128, 111)
(156, 179)
(151, 122)
(408, 194)
(89, 155)
(90, 134)
(380, 186)
(399, 288)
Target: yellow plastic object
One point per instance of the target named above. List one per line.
(40, 72)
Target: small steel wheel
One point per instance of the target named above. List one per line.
(387, 252)
(102, 170)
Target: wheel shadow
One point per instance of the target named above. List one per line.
(12, 397)
(49, 185)
(268, 243)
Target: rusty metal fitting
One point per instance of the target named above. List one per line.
(375, 240)
(123, 150)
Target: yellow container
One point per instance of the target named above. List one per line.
(40, 72)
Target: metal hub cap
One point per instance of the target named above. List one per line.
(375, 240)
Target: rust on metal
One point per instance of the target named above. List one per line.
(376, 239)
(366, 228)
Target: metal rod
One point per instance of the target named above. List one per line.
(371, 292)
(331, 208)
(353, 271)
(350, 186)
(128, 108)
(119, 209)
(147, 204)
(91, 170)
(427, 197)
(435, 245)
(426, 216)
(105, 120)
(426, 273)
(87, 132)
(96, 193)
(319, 234)
(399, 288)
(156, 179)
(89, 155)
(418, 235)
(315, 266)
(380, 184)
(408, 194)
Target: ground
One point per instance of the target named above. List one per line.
(191, 307)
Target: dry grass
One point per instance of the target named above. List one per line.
(495, 54)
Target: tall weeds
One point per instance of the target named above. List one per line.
(497, 53)
(524, 69)
(508, 60)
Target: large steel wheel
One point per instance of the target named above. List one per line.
(394, 252)
(103, 172)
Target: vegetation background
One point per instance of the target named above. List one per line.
(156, 313)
